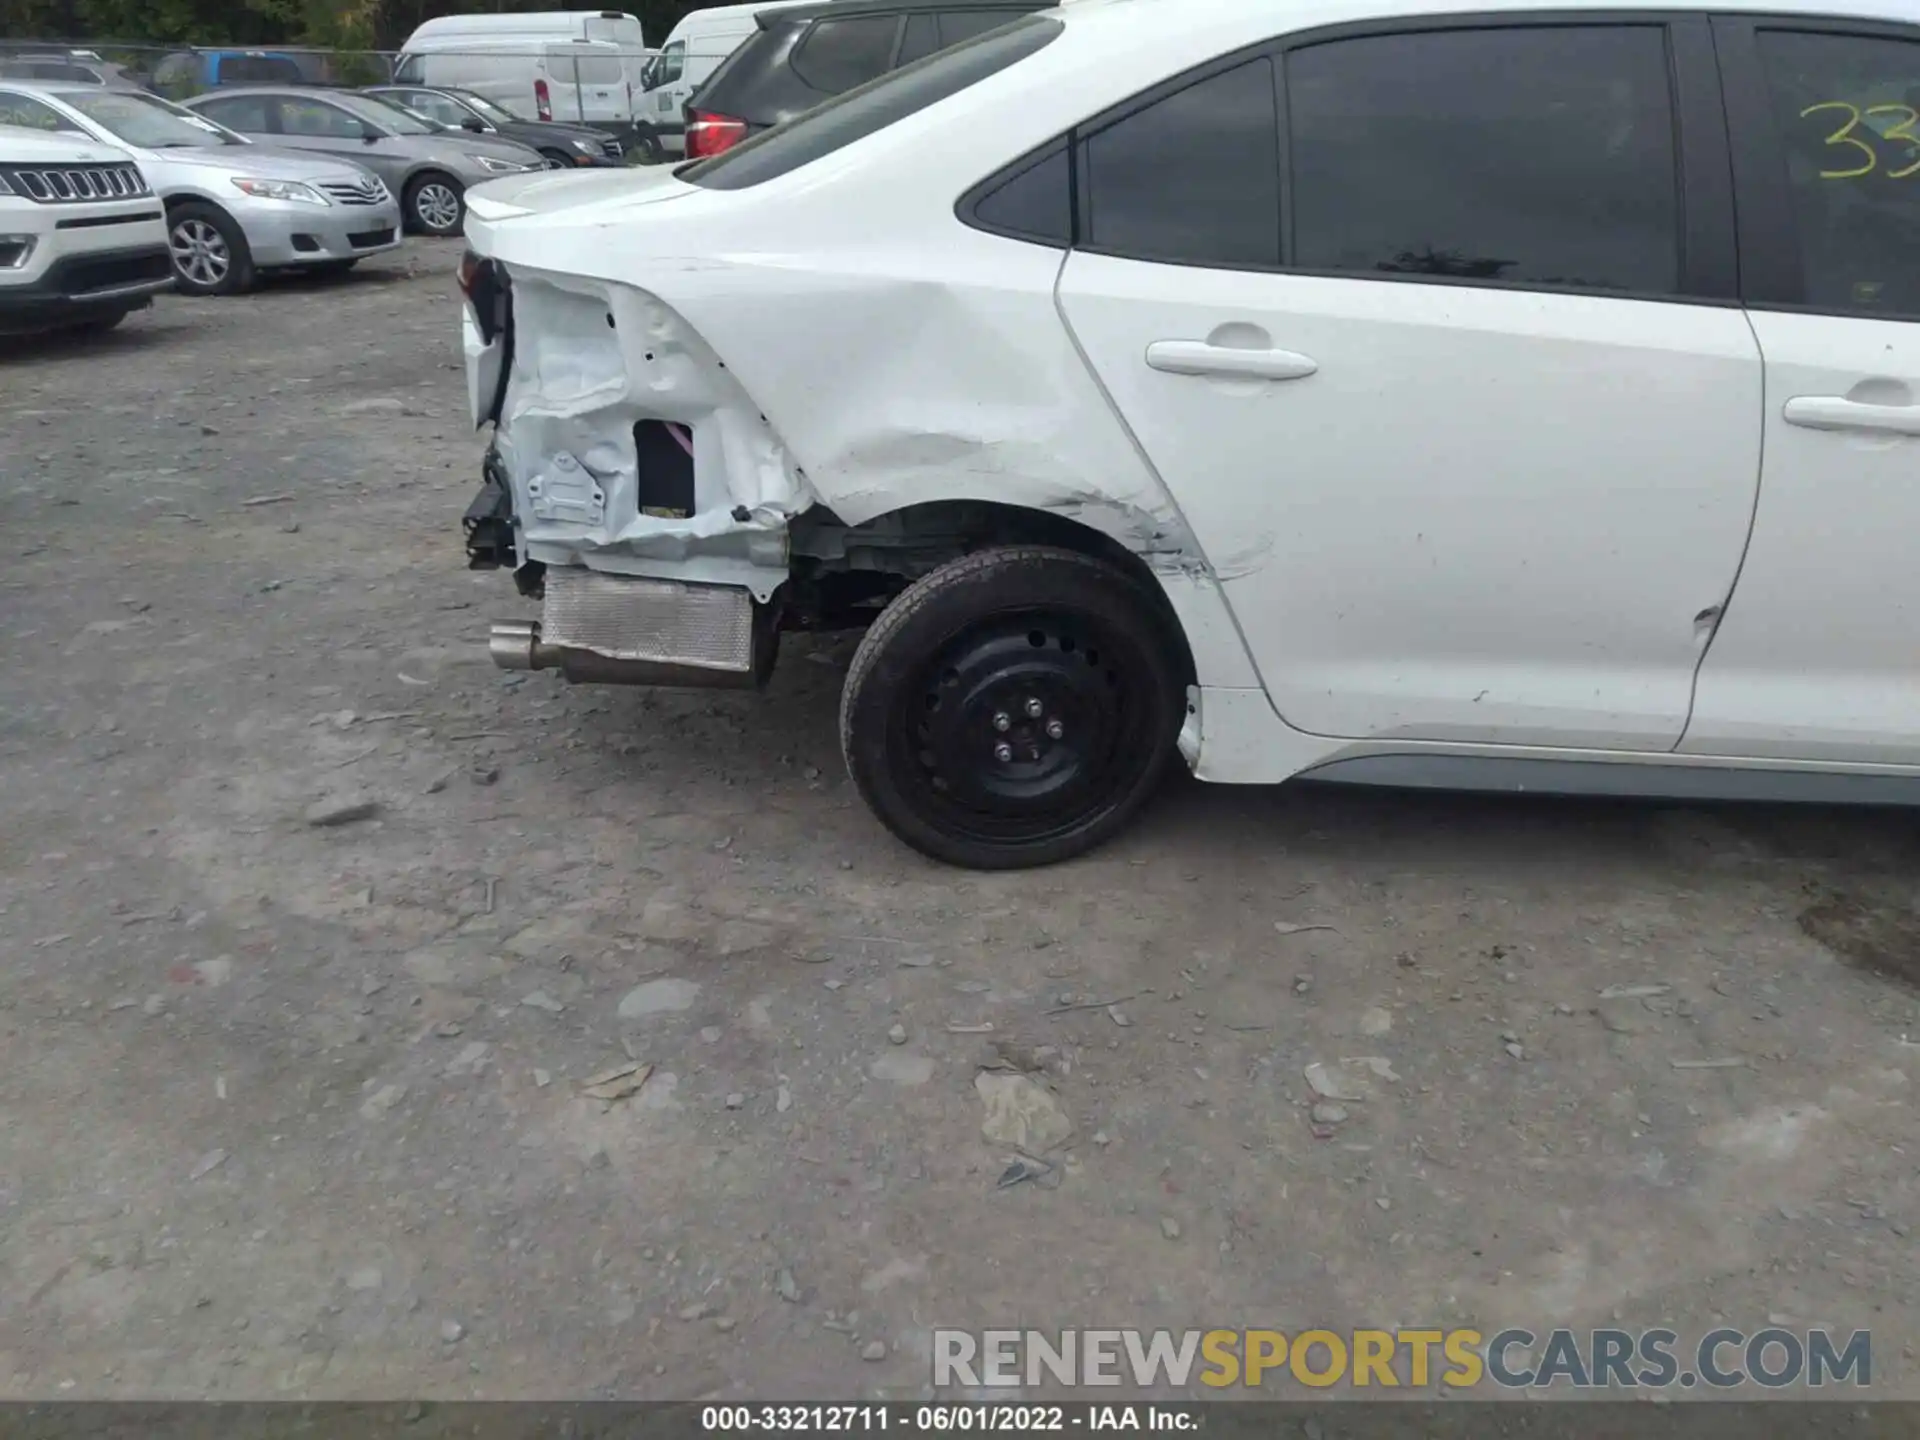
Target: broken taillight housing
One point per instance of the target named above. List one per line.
(479, 281)
(712, 134)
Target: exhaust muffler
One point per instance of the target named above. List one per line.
(517, 645)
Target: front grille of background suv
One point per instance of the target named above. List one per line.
(612, 147)
(75, 184)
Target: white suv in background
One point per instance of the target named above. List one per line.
(83, 238)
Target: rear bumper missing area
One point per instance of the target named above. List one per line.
(624, 630)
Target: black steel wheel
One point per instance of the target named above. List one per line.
(1015, 708)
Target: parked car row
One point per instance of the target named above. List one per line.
(303, 179)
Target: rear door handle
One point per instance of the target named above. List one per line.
(1836, 412)
(1197, 357)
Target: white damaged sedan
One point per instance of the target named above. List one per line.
(1388, 391)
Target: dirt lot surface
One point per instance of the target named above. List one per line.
(295, 1109)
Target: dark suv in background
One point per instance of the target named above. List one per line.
(802, 56)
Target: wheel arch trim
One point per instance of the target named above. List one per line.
(1133, 541)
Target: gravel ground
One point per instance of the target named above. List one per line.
(296, 1109)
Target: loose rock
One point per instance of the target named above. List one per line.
(898, 1034)
(1020, 1113)
(874, 1350)
(658, 997)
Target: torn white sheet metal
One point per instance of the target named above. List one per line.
(813, 367)
(590, 360)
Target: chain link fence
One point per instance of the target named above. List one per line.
(180, 72)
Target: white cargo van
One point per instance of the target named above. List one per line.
(694, 49)
(579, 65)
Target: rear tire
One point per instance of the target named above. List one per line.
(435, 204)
(210, 254)
(1015, 708)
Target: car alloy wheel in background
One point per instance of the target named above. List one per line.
(210, 254)
(436, 206)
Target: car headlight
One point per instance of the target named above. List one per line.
(586, 147)
(280, 190)
(499, 167)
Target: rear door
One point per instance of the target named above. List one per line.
(601, 74)
(1448, 379)
(560, 75)
(669, 88)
(1819, 654)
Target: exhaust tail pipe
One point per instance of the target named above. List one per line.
(517, 645)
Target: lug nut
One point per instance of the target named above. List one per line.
(1055, 730)
(1003, 722)
(1003, 752)
(1035, 709)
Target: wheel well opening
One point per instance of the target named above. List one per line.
(844, 575)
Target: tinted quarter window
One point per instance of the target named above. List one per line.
(922, 37)
(1540, 155)
(840, 54)
(1193, 178)
(1847, 109)
(1034, 202)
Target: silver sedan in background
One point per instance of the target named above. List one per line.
(427, 166)
(233, 208)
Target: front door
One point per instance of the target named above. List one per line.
(1469, 458)
(1819, 655)
(666, 93)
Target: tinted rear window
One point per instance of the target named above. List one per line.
(258, 69)
(871, 108)
(840, 54)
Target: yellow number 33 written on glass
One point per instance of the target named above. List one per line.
(1845, 139)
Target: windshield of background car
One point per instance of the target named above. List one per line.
(396, 103)
(396, 119)
(879, 103)
(484, 107)
(148, 121)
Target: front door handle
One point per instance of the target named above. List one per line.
(1197, 357)
(1836, 412)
